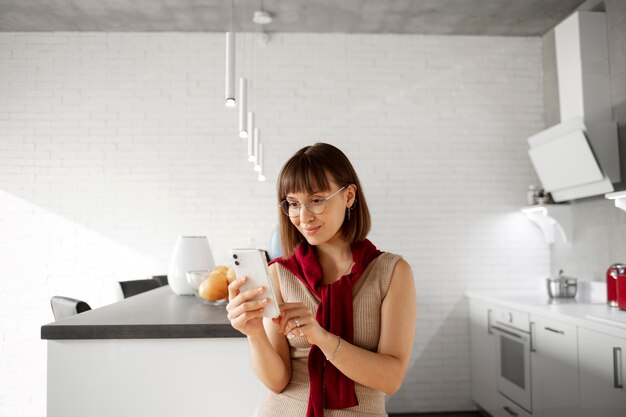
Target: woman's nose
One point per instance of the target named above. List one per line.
(305, 214)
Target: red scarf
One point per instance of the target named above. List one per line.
(333, 314)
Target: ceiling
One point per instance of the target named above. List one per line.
(445, 17)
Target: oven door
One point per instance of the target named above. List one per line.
(513, 365)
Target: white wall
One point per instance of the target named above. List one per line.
(112, 145)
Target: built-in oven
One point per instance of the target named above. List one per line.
(513, 346)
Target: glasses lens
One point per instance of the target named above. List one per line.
(316, 205)
(284, 206)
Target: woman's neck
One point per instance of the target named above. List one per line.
(334, 257)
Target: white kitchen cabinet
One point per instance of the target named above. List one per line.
(507, 408)
(483, 366)
(554, 368)
(601, 361)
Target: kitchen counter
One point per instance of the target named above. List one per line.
(592, 315)
(155, 314)
(156, 354)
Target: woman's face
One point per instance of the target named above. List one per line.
(320, 228)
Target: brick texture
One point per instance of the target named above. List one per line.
(112, 145)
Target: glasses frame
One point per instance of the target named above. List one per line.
(280, 206)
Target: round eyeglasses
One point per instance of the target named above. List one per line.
(315, 205)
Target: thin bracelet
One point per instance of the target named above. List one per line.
(330, 359)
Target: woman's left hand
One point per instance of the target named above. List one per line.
(296, 320)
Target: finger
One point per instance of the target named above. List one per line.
(241, 321)
(285, 307)
(247, 306)
(247, 295)
(291, 324)
(290, 315)
(242, 297)
(233, 287)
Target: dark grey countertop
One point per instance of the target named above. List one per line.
(155, 314)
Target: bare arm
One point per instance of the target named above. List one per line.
(270, 351)
(386, 368)
(383, 370)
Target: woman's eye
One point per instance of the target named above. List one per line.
(317, 200)
(292, 204)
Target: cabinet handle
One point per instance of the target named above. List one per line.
(617, 368)
(550, 329)
(508, 410)
(489, 312)
(533, 348)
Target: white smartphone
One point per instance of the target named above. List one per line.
(252, 263)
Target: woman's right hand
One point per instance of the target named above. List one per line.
(245, 315)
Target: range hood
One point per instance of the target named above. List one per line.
(579, 157)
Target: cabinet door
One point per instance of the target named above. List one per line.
(554, 364)
(483, 365)
(601, 357)
(507, 408)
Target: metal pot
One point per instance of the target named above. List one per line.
(562, 287)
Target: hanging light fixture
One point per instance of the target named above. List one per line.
(259, 157)
(261, 176)
(251, 130)
(243, 107)
(230, 63)
(255, 147)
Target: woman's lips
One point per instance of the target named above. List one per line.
(312, 230)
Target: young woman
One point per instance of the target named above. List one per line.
(345, 333)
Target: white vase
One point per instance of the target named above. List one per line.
(191, 253)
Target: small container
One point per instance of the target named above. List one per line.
(611, 283)
(562, 287)
(531, 197)
(621, 291)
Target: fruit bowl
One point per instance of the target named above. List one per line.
(211, 287)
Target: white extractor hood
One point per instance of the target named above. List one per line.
(580, 156)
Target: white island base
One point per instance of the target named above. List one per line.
(193, 377)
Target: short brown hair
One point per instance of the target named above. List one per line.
(307, 171)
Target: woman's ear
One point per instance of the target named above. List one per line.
(350, 195)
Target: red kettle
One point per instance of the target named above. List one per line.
(611, 282)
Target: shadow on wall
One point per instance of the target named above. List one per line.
(440, 366)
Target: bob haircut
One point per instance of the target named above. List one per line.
(309, 171)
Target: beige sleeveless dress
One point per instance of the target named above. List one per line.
(367, 297)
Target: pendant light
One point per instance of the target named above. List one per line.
(255, 147)
(230, 63)
(251, 136)
(259, 158)
(261, 176)
(243, 108)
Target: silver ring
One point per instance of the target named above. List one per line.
(297, 322)
(301, 333)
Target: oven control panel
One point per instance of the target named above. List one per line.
(513, 318)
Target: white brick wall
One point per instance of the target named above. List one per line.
(114, 144)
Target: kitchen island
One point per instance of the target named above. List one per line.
(156, 354)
